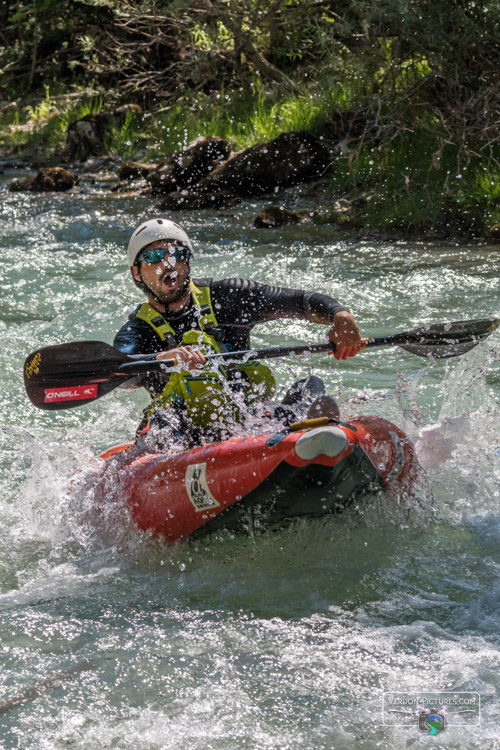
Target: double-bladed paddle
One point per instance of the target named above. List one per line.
(68, 375)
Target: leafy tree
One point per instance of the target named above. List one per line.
(431, 65)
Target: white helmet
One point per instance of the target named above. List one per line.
(153, 230)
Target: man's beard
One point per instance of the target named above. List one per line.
(167, 298)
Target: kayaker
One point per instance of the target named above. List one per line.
(185, 318)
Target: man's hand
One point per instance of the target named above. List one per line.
(190, 358)
(344, 334)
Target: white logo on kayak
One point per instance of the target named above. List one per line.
(197, 488)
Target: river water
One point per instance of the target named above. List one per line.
(279, 641)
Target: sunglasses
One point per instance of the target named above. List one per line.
(157, 254)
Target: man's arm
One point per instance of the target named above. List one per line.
(246, 303)
(344, 332)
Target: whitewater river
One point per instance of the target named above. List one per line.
(283, 641)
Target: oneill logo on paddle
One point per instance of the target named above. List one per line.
(33, 366)
(74, 393)
(197, 488)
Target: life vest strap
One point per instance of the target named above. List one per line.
(161, 326)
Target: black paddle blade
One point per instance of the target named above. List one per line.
(445, 340)
(67, 375)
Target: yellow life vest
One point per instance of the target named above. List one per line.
(208, 398)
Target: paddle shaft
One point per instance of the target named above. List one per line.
(140, 366)
(408, 338)
(67, 375)
(269, 352)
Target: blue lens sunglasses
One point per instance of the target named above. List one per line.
(157, 254)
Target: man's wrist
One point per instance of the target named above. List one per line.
(342, 314)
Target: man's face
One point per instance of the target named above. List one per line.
(166, 278)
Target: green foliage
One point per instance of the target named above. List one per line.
(420, 184)
(123, 140)
(41, 112)
(479, 198)
(410, 87)
(27, 13)
(207, 39)
(399, 58)
(43, 127)
(243, 118)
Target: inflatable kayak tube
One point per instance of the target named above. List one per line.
(310, 472)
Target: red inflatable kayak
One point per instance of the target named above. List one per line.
(310, 472)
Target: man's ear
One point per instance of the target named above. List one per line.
(135, 273)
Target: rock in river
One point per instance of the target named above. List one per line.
(289, 159)
(48, 180)
(187, 167)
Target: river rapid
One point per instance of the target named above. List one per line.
(282, 640)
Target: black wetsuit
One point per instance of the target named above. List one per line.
(239, 305)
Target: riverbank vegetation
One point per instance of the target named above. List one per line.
(407, 92)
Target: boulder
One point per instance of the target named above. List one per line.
(340, 212)
(133, 170)
(289, 159)
(48, 180)
(274, 216)
(54, 179)
(21, 183)
(187, 167)
(101, 164)
(86, 137)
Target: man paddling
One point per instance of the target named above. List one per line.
(184, 319)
